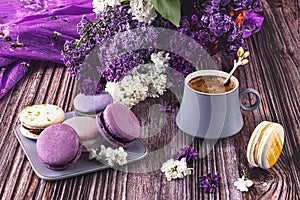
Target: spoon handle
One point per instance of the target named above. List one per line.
(235, 66)
(242, 61)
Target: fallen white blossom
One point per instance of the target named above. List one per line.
(174, 169)
(242, 184)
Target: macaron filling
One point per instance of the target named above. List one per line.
(33, 131)
(259, 141)
(104, 125)
(84, 114)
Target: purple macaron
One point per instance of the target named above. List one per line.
(118, 124)
(58, 146)
(90, 105)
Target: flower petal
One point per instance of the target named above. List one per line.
(242, 188)
(248, 183)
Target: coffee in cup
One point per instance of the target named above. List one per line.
(212, 115)
(211, 84)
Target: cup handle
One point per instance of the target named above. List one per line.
(247, 91)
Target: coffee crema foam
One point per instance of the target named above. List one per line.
(211, 84)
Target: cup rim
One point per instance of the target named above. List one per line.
(211, 72)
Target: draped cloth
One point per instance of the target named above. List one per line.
(36, 30)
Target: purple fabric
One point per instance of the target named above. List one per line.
(6, 61)
(15, 10)
(11, 75)
(36, 23)
(36, 31)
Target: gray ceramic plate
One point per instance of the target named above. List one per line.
(136, 151)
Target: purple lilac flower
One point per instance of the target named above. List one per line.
(124, 63)
(215, 24)
(210, 182)
(252, 24)
(126, 50)
(110, 22)
(221, 34)
(188, 53)
(227, 6)
(216, 32)
(89, 80)
(74, 52)
(163, 23)
(165, 107)
(187, 152)
(234, 9)
(84, 25)
(180, 64)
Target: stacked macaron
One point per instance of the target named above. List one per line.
(265, 145)
(87, 130)
(60, 143)
(58, 146)
(36, 118)
(118, 124)
(115, 122)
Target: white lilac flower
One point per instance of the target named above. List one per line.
(168, 165)
(145, 80)
(116, 156)
(142, 10)
(93, 154)
(102, 154)
(99, 5)
(242, 184)
(174, 169)
(121, 154)
(109, 155)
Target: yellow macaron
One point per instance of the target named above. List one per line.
(265, 145)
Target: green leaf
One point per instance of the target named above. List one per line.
(169, 9)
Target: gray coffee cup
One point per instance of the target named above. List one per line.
(213, 116)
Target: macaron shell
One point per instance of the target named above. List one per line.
(106, 134)
(91, 104)
(253, 142)
(271, 146)
(86, 128)
(27, 133)
(41, 116)
(58, 146)
(121, 121)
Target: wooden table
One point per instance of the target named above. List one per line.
(274, 71)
